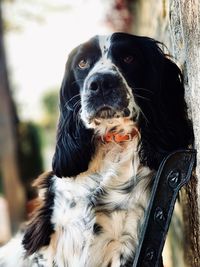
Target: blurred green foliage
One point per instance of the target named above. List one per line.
(50, 103)
(29, 154)
(18, 13)
(34, 139)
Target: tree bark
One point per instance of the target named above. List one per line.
(185, 33)
(191, 224)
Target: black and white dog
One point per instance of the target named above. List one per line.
(122, 110)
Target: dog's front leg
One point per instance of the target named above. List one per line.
(73, 219)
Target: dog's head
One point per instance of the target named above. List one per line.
(116, 83)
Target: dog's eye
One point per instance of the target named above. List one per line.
(128, 59)
(83, 64)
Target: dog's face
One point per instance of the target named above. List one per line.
(114, 83)
(104, 68)
(106, 83)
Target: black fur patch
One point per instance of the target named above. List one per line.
(97, 229)
(126, 262)
(40, 228)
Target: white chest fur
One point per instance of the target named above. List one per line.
(97, 214)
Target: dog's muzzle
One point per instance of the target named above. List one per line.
(105, 96)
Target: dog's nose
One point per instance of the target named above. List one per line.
(103, 82)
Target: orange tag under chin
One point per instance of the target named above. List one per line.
(118, 138)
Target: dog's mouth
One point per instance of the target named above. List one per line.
(108, 113)
(105, 113)
(107, 119)
(114, 125)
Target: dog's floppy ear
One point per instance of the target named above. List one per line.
(166, 127)
(40, 228)
(180, 131)
(74, 142)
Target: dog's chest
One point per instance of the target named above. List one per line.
(98, 213)
(118, 216)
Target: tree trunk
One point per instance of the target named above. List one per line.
(185, 32)
(9, 169)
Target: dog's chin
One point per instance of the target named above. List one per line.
(108, 119)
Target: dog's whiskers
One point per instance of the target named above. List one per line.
(142, 97)
(76, 115)
(143, 89)
(77, 95)
(78, 103)
(144, 116)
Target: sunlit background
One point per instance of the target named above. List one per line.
(38, 36)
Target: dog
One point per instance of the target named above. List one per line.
(122, 110)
